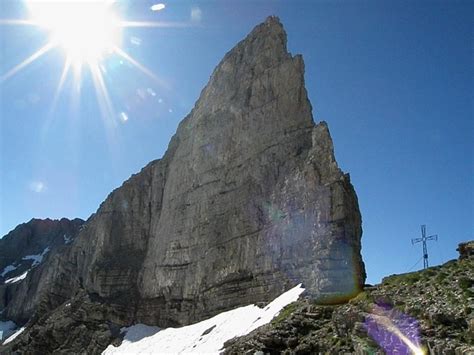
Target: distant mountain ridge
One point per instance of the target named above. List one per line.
(24, 252)
(247, 202)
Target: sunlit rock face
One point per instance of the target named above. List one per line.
(247, 202)
(253, 200)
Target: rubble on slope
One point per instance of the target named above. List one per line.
(426, 311)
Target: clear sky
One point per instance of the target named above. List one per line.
(393, 79)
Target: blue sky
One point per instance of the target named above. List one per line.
(393, 79)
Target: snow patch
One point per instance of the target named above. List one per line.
(6, 329)
(67, 239)
(37, 258)
(17, 278)
(7, 269)
(207, 336)
(14, 335)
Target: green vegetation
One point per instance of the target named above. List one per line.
(364, 300)
(407, 279)
(362, 297)
(285, 313)
(465, 283)
(441, 277)
(429, 272)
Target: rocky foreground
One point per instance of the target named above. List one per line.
(424, 312)
(430, 311)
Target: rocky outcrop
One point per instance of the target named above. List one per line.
(466, 249)
(425, 312)
(247, 201)
(27, 255)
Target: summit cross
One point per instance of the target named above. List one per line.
(424, 239)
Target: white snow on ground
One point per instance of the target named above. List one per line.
(142, 339)
(6, 328)
(67, 239)
(37, 258)
(7, 269)
(16, 279)
(14, 335)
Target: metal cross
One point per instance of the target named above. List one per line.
(423, 239)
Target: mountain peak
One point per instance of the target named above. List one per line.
(247, 202)
(264, 45)
(254, 72)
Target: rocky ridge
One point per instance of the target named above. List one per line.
(432, 308)
(247, 201)
(32, 248)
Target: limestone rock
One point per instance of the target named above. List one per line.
(247, 201)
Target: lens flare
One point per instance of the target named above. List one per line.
(395, 332)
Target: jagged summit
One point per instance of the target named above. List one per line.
(262, 52)
(247, 202)
(265, 46)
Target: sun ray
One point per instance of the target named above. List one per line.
(75, 93)
(139, 66)
(105, 105)
(17, 22)
(67, 66)
(29, 60)
(103, 98)
(77, 70)
(47, 124)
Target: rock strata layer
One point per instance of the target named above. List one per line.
(247, 201)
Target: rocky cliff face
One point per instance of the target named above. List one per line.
(247, 201)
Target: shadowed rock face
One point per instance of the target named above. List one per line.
(31, 247)
(247, 201)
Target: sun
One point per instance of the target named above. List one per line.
(87, 30)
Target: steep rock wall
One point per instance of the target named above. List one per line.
(247, 201)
